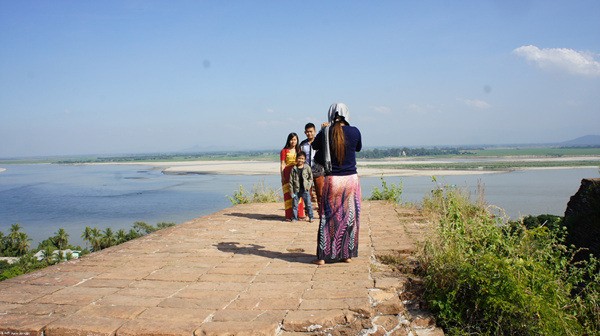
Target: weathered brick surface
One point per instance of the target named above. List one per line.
(24, 325)
(313, 320)
(237, 328)
(240, 271)
(76, 325)
(151, 327)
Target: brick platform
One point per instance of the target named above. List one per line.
(240, 271)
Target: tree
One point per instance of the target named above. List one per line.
(87, 234)
(121, 236)
(49, 258)
(17, 242)
(108, 238)
(61, 239)
(132, 234)
(23, 242)
(96, 239)
(164, 225)
(143, 228)
(3, 243)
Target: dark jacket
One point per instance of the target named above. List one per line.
(353, 145)
(307, 177)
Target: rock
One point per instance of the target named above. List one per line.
(582, 217)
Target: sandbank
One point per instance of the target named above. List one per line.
(272, 168)
(365, 167)
(225, 167)
(2, 169)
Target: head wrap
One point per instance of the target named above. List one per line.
(338, 110)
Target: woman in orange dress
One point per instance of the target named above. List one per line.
(287, 161)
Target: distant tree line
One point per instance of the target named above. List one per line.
(379, 153)
(173, 157)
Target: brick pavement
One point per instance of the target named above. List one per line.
(240, 271)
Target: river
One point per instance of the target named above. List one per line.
(45, 197)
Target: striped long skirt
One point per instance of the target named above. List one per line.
(287, 198)
(340, 221)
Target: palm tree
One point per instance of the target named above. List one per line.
(61, 239)
(18, 242)
(121, 236)
(109, 238)
(13, 235)
(23, 242)
(132, 234)
(143, 228)
(49, 258)
(95, 239)
(3, 244)
(87, 234)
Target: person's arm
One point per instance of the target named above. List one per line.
(292, 178)
(282, 163)
(359, 142)
(317, 144)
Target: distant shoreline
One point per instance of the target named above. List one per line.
(390, 167)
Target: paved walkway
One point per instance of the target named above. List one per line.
(240, 271)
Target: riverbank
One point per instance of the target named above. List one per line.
(388, 167)
(251, 168)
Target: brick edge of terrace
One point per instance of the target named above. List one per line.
(239, 271)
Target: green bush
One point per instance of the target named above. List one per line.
(486, 277)
(240, 196)
(260, 194)
(264, 194)
(392, 193)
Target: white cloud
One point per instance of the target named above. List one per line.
(382, 109)
(269, 123)
(480, 104)
(569, 60)
(422, 109)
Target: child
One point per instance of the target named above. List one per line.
(301, 180)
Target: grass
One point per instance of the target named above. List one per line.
(393, 193)
(484, 276)
(260, 194)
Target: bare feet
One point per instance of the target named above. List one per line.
(318, 262)
(347, 260)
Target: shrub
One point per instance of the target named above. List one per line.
(240, 196)
(264, 194)
(392, 193)
(485, 277)
(260, 194)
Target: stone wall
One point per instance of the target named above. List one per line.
(582, 217)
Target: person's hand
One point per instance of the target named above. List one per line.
(325, 124)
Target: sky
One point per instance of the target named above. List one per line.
(120, 77)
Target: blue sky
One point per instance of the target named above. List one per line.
(108, 77)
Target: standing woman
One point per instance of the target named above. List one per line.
(287, 159)
(341, 198)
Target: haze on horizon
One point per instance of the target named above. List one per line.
(109, 77)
